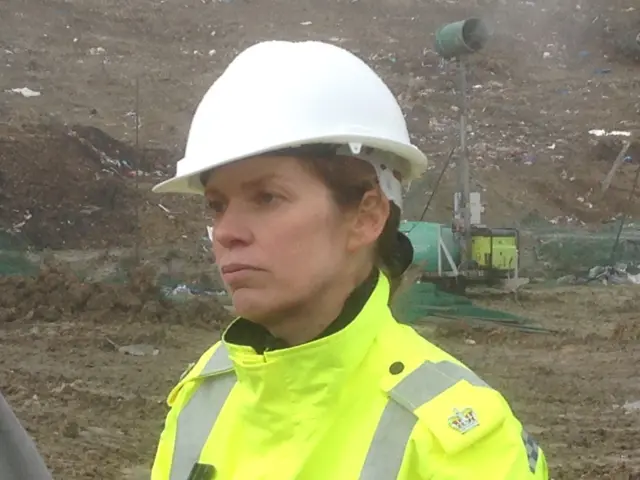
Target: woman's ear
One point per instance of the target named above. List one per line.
(369, 220)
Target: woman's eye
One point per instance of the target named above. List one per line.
(216, 206)
(265, 198)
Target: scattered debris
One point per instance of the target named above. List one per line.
(612, 133)
(620, 274)
(25, 92)
(139, 350)
(632, 406)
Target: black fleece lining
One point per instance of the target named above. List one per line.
(245, 332)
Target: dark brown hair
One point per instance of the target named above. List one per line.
(349, 179)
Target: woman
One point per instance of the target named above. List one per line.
(301, 151)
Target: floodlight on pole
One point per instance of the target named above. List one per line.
(457, 41)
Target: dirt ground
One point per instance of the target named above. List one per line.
(96, 412)
(71, 181)
(86, 366)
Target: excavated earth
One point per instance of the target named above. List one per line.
(87, 364)
(96, 411)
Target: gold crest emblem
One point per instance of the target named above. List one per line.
(463, 420)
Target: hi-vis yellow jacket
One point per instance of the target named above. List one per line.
(374, 401)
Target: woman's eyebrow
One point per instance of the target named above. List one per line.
(258, 182)
(252, 184)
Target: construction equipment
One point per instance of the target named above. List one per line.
(494, 254)
(495, 250)
(467, 251)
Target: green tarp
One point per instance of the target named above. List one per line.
(424, 301)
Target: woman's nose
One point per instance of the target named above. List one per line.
(231, 229)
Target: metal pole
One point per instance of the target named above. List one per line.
(464, 179)
(137, 166)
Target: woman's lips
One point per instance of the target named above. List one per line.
(235, 272)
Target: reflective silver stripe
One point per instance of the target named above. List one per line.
(387, 449)
(430, 380)
(219, 362)
(533, 452)
(199, 415)
(389, 443)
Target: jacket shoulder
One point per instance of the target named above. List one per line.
(214, 361)
(447, 398)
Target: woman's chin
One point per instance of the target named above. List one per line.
(251, 304)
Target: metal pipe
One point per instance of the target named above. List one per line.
(464, 180)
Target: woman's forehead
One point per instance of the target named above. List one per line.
(255, 172)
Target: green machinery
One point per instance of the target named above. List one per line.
(467, 251)
(494, 255)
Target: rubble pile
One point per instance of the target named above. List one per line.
(68, 188)
(56, 294)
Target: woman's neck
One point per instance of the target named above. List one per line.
(308, 321)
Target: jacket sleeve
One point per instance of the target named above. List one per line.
(491, 445)
(178, 397)
(164, 453)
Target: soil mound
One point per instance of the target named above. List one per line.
(56, 293)
(68, 187)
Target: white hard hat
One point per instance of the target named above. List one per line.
(277, 95)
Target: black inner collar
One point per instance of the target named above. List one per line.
(245, 332)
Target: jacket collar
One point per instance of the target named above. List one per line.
(319, 364)
(245, 332)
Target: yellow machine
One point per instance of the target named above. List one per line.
(495, 250)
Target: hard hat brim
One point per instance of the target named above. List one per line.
(178, 184)
(189, 183)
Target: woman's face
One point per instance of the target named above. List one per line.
(279, 238)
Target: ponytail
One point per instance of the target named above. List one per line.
(394, 251)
